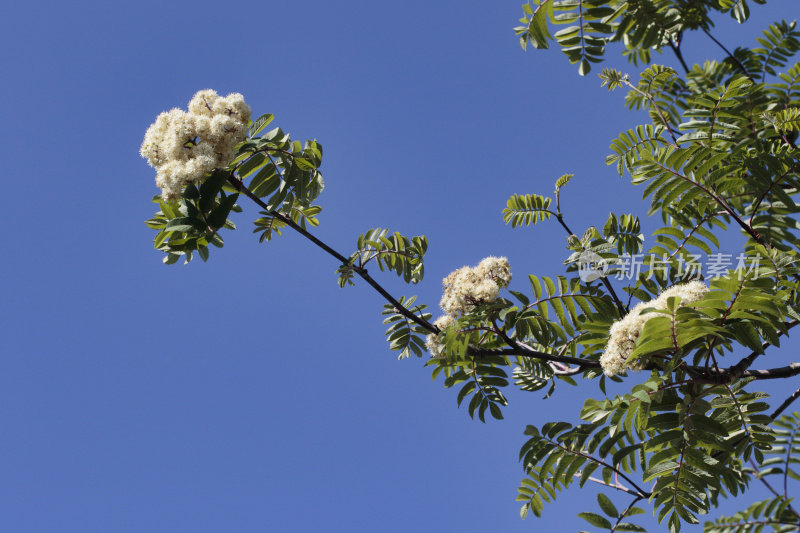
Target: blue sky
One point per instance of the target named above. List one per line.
(251, 393)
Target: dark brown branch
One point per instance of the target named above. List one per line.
(617, 486)
(620, 308)
(522, 351)
(711, 376)
(676, 48)
(362, 272)
(740, 369)
(730, 55)
(720, 377)
(786, 403)
(774, 373)
(641, 492)
(625, 512)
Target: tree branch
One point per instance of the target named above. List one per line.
(730, 55)
(786, 403)
(362, 272)
(717, 376)
(522, 351)
(676, 48)
(641, 492)
(625, 512)
(617, 486)
(620, 308)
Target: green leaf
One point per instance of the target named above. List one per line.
(185, 224)
(210, 188)
(220, 213)
(260, 123)
(596, 520)
(627, 526)
(265, 182)
(606, 505)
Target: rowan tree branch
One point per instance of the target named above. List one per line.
(362, 272)
(676, 49)
(620, 308)
(729, 54)
(786, 403)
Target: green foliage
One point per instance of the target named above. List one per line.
(653, 92)
(780, 42)
(785, 120)
(527, 209)
(479, 378)
(404, 335)
(269, 225)
(625, 231)
(563, 180)
(393, 252)
(559, 454)
(631, 145)
(190, 225)
(780, 459)
(555, 314)
(711, 122)
(739, 9)
(641, 25)
(281, 170)
(673, 241)
(277, 168)
(718, 152)
(774, 514)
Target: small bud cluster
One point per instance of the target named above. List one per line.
(185, 146)
(466, 288)
(624, 332)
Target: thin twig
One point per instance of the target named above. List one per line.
(616, 486)
(676, 48)
(625, 512)
(620, 308)
(653, 105)
(730, 55)
(786, 403)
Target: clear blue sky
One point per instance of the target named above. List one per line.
(250, 393)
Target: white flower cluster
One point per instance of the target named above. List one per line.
(467, 287)
(464, 289)
(184, 146)
(435, 343)
(625, 331)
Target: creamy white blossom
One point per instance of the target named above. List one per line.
(496, 268)
(435, 342)
(470, 286)
(624, 332)
(185, 146)
(464, 289)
